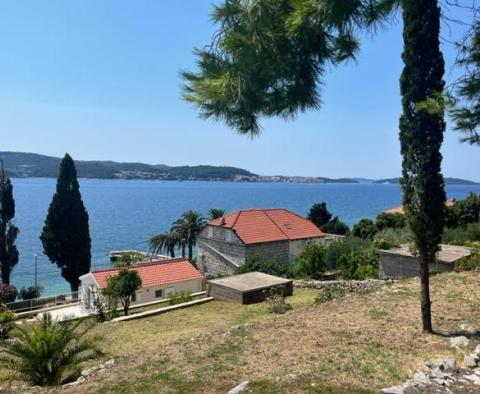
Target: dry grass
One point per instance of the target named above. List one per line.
(357, 344)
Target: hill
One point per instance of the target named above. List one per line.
(448, 181)
(356, 344)
(23, 165)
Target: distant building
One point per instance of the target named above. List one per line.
(400, 263)
(226, 243)
(160, 279)
(450, 202)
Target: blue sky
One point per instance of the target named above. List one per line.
(99, 79)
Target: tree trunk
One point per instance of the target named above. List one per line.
(74, 286)
(183, 248)
(190, 251)
(425, 295)
(172, 252)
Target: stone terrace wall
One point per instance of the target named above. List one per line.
(347, 285)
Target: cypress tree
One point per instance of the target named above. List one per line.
(421, 135)
(65, 236)
(8, 231)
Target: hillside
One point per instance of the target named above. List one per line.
(448, 181)
(34, 165)
(357, 344)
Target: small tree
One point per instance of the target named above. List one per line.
(335, 226)
(215, 213)
(319, 214)
(8, 231)
(123, 287)
(364, 229)
(48, 353)
(65, 236)
(28, 293)
(311, 262)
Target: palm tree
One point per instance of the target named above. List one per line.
(48, 353)
(164, 242)
(215, 213)
(187, 228)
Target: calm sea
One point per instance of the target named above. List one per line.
(124, 214)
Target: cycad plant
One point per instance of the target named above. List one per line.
(48, 353)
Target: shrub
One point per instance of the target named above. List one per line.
(29, 293)
(471, 263)
(276, 300)
(329, 294)
(359, 264)
(390, 220)
(319, 214)
(7, 319)
(335, 226)
(122, 287)
(462, 235)
(464, 211)
(384, 244)
(394, 236)
(311, 262)
(8, 293)
(48, 353)
(364, 229)
(265, 265)
(180, 298)
(337, 249)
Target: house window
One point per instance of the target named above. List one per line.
(158, 293)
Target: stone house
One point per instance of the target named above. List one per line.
(228, 242)
(160, 279)
(399, 262)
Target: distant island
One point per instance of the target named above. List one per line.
(33, 165)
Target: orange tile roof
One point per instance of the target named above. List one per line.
(450, 202)
(268, 225)
(155, 273)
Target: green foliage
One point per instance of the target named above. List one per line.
(466, 105)
(463, 212)
(123, 287)
(8, 231)
(385, 244)
(346, 245)
(65, 236)
(31, 292)
(335, 226)
(7, 322)
(263, 264)
(275, 298)
(187, 229)
(180, 298)
(462, 235)
(48, 353)
(471, 263)
(105, 306)
(365, 229)
(329, 294)
(319, 214)
(311, 262)
(359, 264)
(394, 236)
(8, 293)
(164, 242)
(215, 213)
(390, 220)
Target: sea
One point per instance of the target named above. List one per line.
(124, 214)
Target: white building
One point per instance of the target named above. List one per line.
(160, 279)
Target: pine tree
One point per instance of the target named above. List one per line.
(422, 127)
(8, 231)
(65, 235)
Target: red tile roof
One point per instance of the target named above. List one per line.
(155, 273)
(268, 225)
(450, 202)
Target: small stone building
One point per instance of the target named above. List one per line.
(248, 288)
(160, 279)
(228, 242)
(400, 263)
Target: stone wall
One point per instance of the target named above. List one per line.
(278, 251)
(219, 257)
(347, 285)
(397, 266)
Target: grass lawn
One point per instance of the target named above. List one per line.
(357, 344)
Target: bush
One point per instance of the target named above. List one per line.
(384, 244)
(365, 229)
(311, 262)
(463, 212)
(359, 264)
(265, 265)
(7, 319)
(29, 293)
(462, 235)
(319, 214)
(471, 263)
(8, 293)
(335, 226)
(329, 294)
(276, 300)
(337, 249)
(390, 220)
(394, 236)
(180, 298)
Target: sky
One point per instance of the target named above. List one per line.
(99, 79)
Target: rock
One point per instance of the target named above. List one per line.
(470, 360)
(467, 328)
(473, 378)
(447, 364)
(393, 390)
(239, 388)
(109, 363)
(80, 380)
(460, 341)
(477, 351)
(420, 378)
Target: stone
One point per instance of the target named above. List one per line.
(460, 341)
(477, 351)
(470, 361)
(467, 328)
(447, 364)
(421, 378)
(109, 363)
(473, 378)
(393, 390)
(240, 388)
(80, 380)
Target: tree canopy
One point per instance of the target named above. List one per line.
(123, 287)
